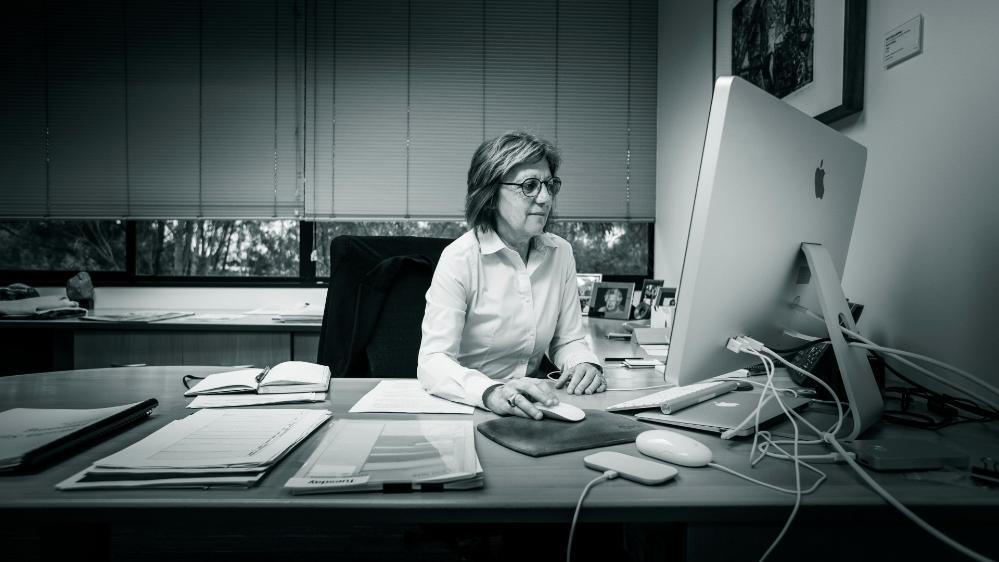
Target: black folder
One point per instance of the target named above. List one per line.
(63, 444)
(548, 436)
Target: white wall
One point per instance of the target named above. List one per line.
(685, 84)
(925, 247)
(924, 256)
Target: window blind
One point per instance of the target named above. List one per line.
(85, 108)
(350, 109)
(408, 90)
(22, 95)
(178, 109)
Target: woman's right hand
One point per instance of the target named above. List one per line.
(517, 397)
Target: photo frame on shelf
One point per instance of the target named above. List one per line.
(611, 300)
(647, 297)
(584, 283)
(809, 53)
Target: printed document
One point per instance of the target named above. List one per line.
(357, 455)
(406, 396)
(220, 438)
(227, 448)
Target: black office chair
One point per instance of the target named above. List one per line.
(375, 304)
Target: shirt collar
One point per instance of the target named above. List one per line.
(490, 242)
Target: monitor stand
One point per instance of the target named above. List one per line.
(862, 393)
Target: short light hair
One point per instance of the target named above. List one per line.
(494, 159)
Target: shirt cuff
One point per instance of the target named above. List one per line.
(476, 388)
(577, 358)
(489, 390)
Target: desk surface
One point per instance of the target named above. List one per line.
(229, 321)
(518, 488)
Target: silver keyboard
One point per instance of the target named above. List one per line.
(657, 399)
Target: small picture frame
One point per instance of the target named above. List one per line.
(665, 296)
(584, 283)
(611, 300)
(662, 309)
(647, 297)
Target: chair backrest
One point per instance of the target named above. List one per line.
(375, 304)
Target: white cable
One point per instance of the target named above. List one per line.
(607, 475)
(773, 487)
(942, 380)
(905, 361)
(839, 403)
(769, 366)
(831, 439)
(903, 353)
(792, 391)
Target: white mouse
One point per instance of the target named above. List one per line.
(673, 447)
(561, 411)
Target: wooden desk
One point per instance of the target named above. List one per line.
(31, 346)
(518, 488)
(71, 343)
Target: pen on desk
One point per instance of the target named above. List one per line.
(263, 374)
(620, 359)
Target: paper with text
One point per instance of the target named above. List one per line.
(406, 397)
(221, 438)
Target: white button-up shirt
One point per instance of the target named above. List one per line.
(490, 317)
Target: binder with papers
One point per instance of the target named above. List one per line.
(286, 377)
(362, 455)
(224, 447)
(31, 437)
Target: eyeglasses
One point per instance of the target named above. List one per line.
(531, 187)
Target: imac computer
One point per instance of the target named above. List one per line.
(773, 214)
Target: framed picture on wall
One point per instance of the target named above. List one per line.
(611, 300)
(809, 53)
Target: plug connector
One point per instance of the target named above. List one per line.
(752, 344)
(744, 344)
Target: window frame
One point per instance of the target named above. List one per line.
(306, 270)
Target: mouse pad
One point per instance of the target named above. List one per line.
(548, 436)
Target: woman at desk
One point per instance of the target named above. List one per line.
(504, 293)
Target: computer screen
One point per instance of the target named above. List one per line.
(771, 178)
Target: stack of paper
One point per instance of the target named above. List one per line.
(137, 316)
(30, 437)
(307, 313)
(236, 400)
(207, 448)
(357, 455)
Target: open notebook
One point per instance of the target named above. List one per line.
(289, 376)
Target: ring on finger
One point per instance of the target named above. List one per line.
(512, 401)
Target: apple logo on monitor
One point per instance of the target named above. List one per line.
(820, 174)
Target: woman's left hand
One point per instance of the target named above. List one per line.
(584, 378)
